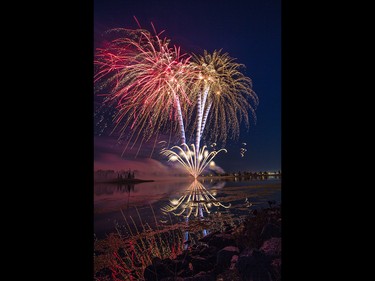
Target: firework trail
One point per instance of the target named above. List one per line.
(223, 93)
(146, 80)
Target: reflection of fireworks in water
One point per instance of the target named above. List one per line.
(196, 199)
(193, 161)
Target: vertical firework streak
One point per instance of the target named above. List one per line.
(205, 117)
(201, 102)
(180, 120)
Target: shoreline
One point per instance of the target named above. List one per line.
(200, 178)
(124, 181)
(235, 252)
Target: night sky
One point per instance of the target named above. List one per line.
(249, 31)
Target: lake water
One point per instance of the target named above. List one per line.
(113, 202)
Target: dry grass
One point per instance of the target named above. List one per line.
(124, 255)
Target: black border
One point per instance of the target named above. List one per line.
(60, 211)
(58, 208)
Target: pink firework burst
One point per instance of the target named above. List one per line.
(147, 81)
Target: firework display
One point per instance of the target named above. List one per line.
(192, 160)
(156, 88)
(222, 93)
(147, 81)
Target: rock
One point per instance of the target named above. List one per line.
(176, 266)
(180, 265)
(157, 270)
(202, 276)
(276, 263)
(224, 256)
(185, 272)
(272, 247)
(184, 256)
(233, 262)
(209, 253)
(168, 262)
(228, 228)
(270, 230)
(156, 261)
(254, 265)
(154, 272)
(229, 275)
(209, 236)
(221, 240)
(197, 249)
(202, 246)
(206, 238)
(173, 279)
(200, 264)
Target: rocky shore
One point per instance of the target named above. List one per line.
(250, 251)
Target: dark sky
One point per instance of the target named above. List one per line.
(249, 31)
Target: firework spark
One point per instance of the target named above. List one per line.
(193, 161)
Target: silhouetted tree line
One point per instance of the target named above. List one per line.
(122, 175)
(111, 174)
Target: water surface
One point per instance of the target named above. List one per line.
(114, 201)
